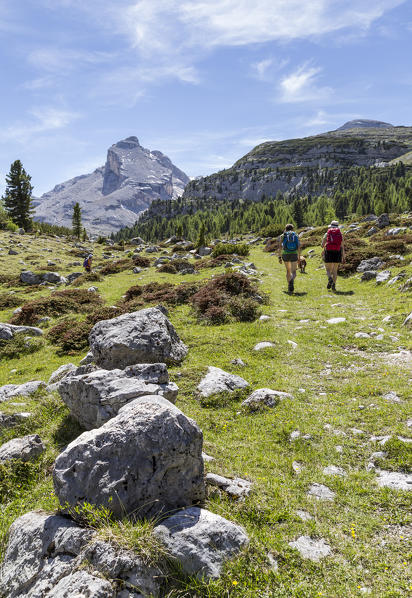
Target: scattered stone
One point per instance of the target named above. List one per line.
(61, 372)
(334, 470)
(294, 435)
(239, 362)
(207, 458)
(264, 318)
(95, 397)
(201, 541)
(303, 515)
(265, 397)
(26, 448)
(394, 480)
(236, 488)
(383, 276)
(362, 335)
(336, 320)
(297, 467)
(145, 461)
(87, 359)
(51, 556)
(11, 420)
(339, 448)
(28, 277)
(263, 345)
(408, 321)
(383, 221)
(11, 391)
(356, 431)
(368, 275)
(12, 252)
(7, 331)
(145, 336)
(311, 549)
(53, 278)
(392, 397)
(321, 492)
(371, 231)
(293, 344)
(217, 380)
(73, 276)
(370, 264)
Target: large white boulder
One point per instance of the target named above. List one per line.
(49, 556)
(201, 541)
(144, 461)
(94, 398)
(145, 336)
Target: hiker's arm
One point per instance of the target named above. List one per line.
(298, 250)
(280, 239)
(343, 251)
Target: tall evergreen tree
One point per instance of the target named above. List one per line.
(77, 220)
(17, 197)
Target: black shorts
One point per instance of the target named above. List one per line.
(333, 256)
(290, 257)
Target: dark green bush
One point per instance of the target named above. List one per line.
(141, 261)
(18, 346)
(244, 310)
(59, 303)
(87, 277)
(230, 249)
(116, 267)
(168, 268)
(10, 300)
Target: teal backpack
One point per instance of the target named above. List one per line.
(290, 241)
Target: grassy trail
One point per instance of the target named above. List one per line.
(338, 383)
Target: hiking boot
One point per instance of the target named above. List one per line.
(333, 287)
(330, 282)
(290, 289)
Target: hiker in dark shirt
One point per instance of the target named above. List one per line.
(289, 252)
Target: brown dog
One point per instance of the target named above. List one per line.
(302, 265)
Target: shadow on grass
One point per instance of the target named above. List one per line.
(344, 292)
(68, 430)
(295, 293)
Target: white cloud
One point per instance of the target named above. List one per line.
(43, 119)
(301, 86)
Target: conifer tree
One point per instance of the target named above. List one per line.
(77, 220)
(201, 239)
(17, 197)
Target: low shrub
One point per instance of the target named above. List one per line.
(87, 277)
(156, 292)
(19, 345)
(141, 261)
(271, 245)
(10, 300)
(116, 267)
(57, 304)
(244, 310)
(9, 280)
(213, 262)
(215, 315)
(168, 268)
(230, 249)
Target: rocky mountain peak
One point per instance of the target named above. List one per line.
(363, 123)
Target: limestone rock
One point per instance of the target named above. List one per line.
(146, 336)
(368, 275)
(321, 492)
(73, 276)
(372, 263)
(49, 556)
(144, 461)
(53, 277)
(408, 321)
(7, 331)
(10, 391)
(395, 480)
(334, 470)
(61, 373)
(95, 397)
(217, 380)
(383, 221)
(237, 488)
(336, 320)
(201, 541)
(311, 549)
(87, 359)
(13, 419)
(263, 345)
(25, 448)
(28, 277)
(383, 276)
(265, 397)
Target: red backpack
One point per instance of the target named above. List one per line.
(333, 239)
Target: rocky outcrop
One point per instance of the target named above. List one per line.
(7, 331)
(200, 541)
(113, 195)
(49, 556)
(145, 461)
(217, 380)
(94, 398)
(146, 336)
(265, 397)
(11, 391)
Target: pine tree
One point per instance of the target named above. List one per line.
(201, 240)
(17, 197)
(84, 235)
(77, 220)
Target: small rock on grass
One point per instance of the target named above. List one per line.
(263, 345)
(395, 480)
(237, 488)
(392, 397)
(265, 397)
(200, 541)
(217, 380)
(334, 470)
(207, 458)
(297, 467)
(321, 492)
(25, 448)
(10, 420)
(11, 391)
(311, 549)
(336, 320)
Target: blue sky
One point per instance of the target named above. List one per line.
(202, 81)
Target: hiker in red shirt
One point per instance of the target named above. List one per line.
(333, 252)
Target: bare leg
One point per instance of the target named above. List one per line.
(334, 273)
(288, 266)
(293, 268)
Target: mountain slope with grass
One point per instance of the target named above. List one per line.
(344, 358)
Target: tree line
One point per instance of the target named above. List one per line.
(355, 191)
